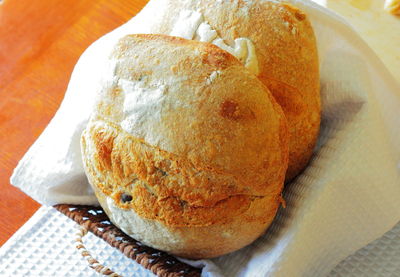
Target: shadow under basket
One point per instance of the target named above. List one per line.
(95, 220)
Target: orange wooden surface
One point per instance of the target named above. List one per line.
(40, 41)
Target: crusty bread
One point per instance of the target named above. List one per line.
(186, 149)
(286, 52)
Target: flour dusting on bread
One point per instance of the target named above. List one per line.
(181, 153)
(191, 25)
(141, 103)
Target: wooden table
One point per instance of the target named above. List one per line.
(40, 42)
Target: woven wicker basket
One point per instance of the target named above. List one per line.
(95, 220)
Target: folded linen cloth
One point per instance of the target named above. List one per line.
(346, 197)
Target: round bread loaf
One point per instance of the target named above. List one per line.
(284, 46)
(186, 149)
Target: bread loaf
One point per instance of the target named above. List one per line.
(187, 149)
(274, 40)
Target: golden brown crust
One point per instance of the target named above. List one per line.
(155, 178)
(209, 155)
(199, 242)
(287, 56)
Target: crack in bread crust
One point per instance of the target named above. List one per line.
(163, 186)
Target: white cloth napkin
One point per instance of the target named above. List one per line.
(347, 197)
